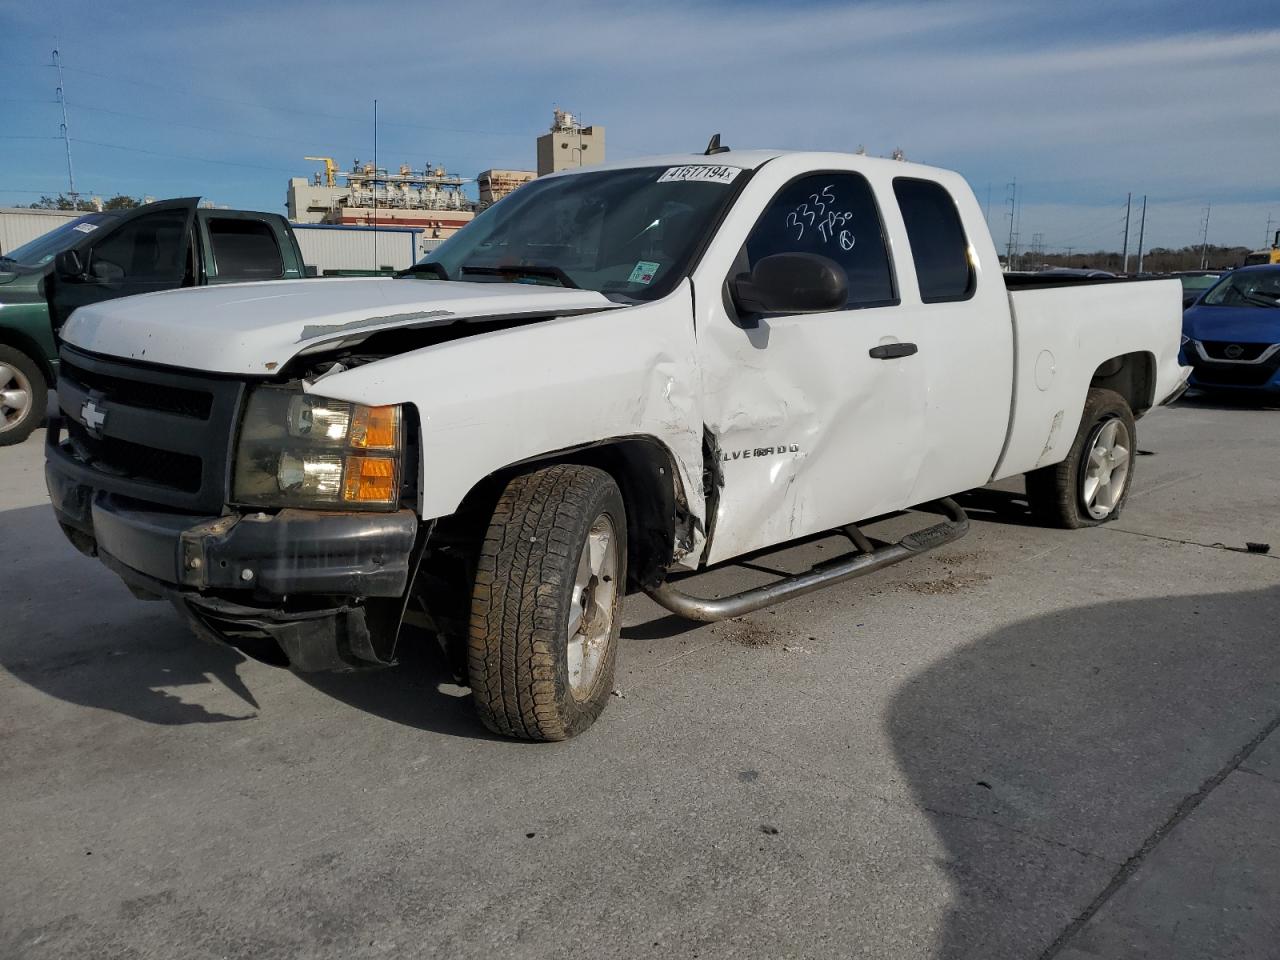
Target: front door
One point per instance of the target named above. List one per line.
(816, 420)
(149, 250)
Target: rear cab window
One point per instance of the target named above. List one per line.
(244, 249)
(939, 246)
(833, 215)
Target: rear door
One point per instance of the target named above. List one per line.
(814, 425)
(961, 311)
(148, 250)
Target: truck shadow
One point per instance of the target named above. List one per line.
(70, 628)
(1046, 752)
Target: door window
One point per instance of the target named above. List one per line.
(938, 244)
(833, 215)
(149, 248)
(244, 249)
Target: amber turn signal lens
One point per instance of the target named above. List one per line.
(370, 480)
(375, 428)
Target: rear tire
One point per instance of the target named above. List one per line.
(1091, 485)
(24, 394)
(545, 609)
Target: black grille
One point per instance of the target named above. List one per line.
(135, 461)
(139, 393)
(1235, 375)
(1217, 349)
(158, 435)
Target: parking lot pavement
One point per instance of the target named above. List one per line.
(1034, 743)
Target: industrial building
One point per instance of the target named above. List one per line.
(430, 199)
(569, 144)
(19, 225)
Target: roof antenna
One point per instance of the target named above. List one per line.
(713, 146)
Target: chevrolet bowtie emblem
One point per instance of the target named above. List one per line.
(92, 417)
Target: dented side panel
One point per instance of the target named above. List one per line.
(490, 400)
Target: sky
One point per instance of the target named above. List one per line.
(1079, 103)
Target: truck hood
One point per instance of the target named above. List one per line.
(256, 328)
(1234, 324)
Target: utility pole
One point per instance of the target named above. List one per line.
(1013, 212)
(375, 185)
(1124, 257)
(1266, 240)
(66, 140)
(1204, 243)
(1142, 229)
(1069, 249)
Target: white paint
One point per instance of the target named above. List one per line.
(243, 327)
(1045, 369)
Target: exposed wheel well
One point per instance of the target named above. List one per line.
(643, 470)
(1133, 376)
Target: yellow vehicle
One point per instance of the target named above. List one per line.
(1264, 255)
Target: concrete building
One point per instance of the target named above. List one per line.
(496, 184)
(569, 145)
(19, 225)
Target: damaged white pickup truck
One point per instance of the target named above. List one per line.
(612, 377)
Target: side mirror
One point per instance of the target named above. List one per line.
(1187, 301)
(68, 265)
(792, 283)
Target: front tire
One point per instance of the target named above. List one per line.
(1091, 485)
(24, 394)
(545, 609)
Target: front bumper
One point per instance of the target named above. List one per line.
(310, 580)
(1260, 373)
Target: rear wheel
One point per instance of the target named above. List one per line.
(24, 394)
(1090, 486)
(545, 609)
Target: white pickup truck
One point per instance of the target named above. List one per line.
(611, 379)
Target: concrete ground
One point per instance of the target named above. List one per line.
(1032, 744)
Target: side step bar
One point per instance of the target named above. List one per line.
(922, 541)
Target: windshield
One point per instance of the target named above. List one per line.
(1202, 282)
(1246, 288)
(48, 245)
(626, 233)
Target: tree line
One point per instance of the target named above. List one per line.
(63, 202)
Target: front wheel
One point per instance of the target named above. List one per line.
(23, 396)
(1089, 487)
(545, 609)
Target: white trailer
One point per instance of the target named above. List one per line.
(19, 225)
(337, 248)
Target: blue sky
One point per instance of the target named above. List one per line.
(1079, 102)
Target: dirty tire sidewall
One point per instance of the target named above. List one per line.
(1055, 493)
(38, 388)
(522, 599)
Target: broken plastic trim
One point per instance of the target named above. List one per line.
(922, 541)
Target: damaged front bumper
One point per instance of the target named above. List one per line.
(328, 588)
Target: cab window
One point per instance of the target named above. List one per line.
(147, 248)
(244, 249)
(833, 215)
(939, 247)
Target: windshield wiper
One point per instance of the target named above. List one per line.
(431, 269)
(548, 271)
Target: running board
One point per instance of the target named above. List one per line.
(922, 541)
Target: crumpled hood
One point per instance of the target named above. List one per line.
(256, 328)
(1234, 324)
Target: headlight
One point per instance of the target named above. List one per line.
(299, 450)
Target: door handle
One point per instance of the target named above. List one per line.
(892, 351)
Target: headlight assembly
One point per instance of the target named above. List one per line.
(300, 450)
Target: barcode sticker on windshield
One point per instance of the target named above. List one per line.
(700, 173)
(85, 227)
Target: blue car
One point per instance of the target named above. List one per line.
(1231, 334)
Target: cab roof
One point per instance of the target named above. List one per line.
(748, 160)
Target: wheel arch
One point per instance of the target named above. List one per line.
(17, 340)
(1132, 375)
(645, 470)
